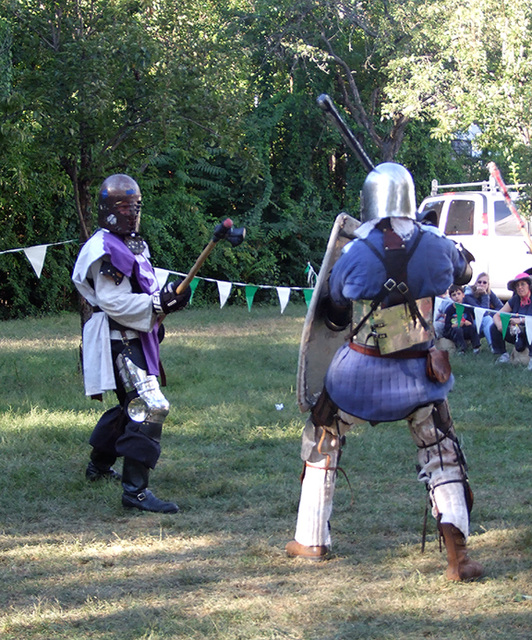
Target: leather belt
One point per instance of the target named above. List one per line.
(374, 351)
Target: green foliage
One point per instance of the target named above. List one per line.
(466, 64)
(212, 108)
(428, 158)
(35, 208)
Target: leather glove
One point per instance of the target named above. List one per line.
(167, 300)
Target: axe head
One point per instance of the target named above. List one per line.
(236, 235)
(226, 231)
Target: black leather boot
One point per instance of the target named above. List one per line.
(99, 467)
(136, 493)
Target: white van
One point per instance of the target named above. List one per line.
(482, 222)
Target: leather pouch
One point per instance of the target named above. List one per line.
(438, 365)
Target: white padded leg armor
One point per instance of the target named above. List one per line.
(317, 489)
(442, 468)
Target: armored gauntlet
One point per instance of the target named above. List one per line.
(167, 300)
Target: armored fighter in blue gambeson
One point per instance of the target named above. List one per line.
(384, 284)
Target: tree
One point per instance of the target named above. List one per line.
(106, 83)
(93, 87)
(344, 47)
(467, 63)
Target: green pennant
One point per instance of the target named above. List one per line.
(308, 296)
(193, 285)
(251, 290)
(505, 320)
(459, 313)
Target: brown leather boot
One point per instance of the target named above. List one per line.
(460, 566)
(294, 549)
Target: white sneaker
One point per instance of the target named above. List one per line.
(505, 357)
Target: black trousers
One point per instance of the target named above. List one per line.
(115, 434)
(499, 343)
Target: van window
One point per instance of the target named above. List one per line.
(436, 206)
(460, 218)
(506, 223)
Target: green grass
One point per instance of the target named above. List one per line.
(74, 564)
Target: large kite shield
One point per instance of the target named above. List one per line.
(318, 343)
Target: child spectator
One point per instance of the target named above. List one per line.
(466, 330)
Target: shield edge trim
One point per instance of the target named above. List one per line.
(343, 229)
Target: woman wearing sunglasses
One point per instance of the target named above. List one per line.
(480, 295)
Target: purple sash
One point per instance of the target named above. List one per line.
(139, 266)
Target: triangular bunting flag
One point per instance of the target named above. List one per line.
(437, 304)
(284, 296)
(312, 276)
(224, 289)
(161, 275)
(193, 286)
(36, 256)
(251, 290)
(528, 327)
(505, 320)
(459, 313)
(479, 314)
(308, 296)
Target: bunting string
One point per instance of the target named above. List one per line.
(479, 313)
(36, 256)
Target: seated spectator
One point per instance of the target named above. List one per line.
(518, 305)
(439, 313)
(467, 329)
(480, 295)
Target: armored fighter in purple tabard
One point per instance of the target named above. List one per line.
(121, 343)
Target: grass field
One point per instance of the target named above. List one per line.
(75, 565)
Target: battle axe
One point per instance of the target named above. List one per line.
(223, 231)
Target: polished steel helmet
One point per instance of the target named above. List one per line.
(388, 192)
(119, 205)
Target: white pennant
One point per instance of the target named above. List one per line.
(284, 296)
(528, 328)
(437, 304)
(161, 275)
(36, 256)
(224, 289)
(479, 314)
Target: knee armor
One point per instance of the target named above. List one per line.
(148, 405)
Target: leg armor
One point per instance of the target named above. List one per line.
(145, 406)
(320, 451)
(442, 466)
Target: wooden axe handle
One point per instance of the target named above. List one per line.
(197, 266)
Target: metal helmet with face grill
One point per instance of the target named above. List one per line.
(119, 205)
(388, 192)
